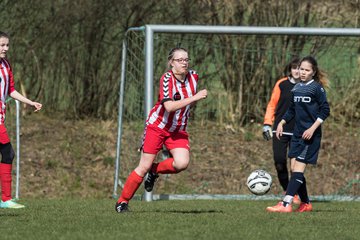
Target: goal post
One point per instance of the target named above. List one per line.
(117, 182)
(152, 30)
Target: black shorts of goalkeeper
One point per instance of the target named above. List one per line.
(305, 151)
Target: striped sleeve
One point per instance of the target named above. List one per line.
(165, 90)
(11, 86)
(194, 75)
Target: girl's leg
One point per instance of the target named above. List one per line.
(8, 155)
(279, 147)
(181, 158)
(6, 179)
(136, 177)
(292, 164)
(177, 163)
(296, 180)
(303, 194)
(296, 199)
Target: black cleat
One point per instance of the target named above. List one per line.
(122, 207)
(150, 180)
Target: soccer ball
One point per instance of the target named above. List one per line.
(259, 182)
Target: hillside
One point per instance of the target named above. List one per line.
(68, 158)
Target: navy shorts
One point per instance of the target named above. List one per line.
(305, 151)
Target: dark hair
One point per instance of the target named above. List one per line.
(4, 34)
(319, 75)
(172, 51)
(293, 63)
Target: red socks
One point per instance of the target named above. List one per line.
(5, 178)
(134, 180)
(131, 185)
(164, 167)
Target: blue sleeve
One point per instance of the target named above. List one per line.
(324, 108)
(290, 113)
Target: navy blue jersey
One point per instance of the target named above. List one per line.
(308, 104)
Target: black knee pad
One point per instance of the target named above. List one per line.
(281, 167)
(7, 153)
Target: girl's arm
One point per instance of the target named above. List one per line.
(279, 129)
(172, 106)
(17, 96)
(324, 111)
(310, 131)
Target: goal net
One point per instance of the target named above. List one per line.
(239, 72)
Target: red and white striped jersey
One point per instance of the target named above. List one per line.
(6, 86)
(173, 89)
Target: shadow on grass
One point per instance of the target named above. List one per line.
(192, 211)
(328, 211)
(9, 214)
(185, 211)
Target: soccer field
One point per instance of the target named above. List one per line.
(180, 219)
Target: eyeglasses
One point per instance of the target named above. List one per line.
(181, 60)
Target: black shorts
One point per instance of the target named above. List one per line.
(280, 148)
(305, 151)
(7, 153)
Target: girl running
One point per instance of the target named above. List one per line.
(166, 125)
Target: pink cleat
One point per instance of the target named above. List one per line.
(280, 208)
(304, 207)
(296, 200)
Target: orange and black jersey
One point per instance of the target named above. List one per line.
(279, 103)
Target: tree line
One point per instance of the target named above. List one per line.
(67, 54)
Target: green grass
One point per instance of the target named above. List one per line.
(187, 219)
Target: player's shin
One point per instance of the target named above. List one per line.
(6, 179)
(131, 185)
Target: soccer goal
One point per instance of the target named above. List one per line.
(239, 66)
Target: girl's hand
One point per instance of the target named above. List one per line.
(279, 130)
(307, 135)
(37, 106)
(202, 94)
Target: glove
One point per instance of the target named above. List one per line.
(267, 132)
